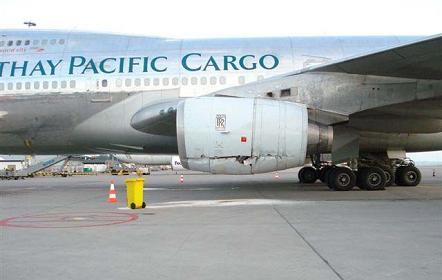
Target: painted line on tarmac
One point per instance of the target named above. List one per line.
(222, 203)
(177, 189)
(69, 220)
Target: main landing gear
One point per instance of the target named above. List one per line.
(370, 176)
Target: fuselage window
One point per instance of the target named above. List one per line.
(18, 43)
(2, 43)
(45, 85)
(165, 81)
(18, 86)
(72, 84)
(241, 80)
(222, 80)
(137, 82)
(156, 82)
(10, 43)
(204, 80)
(28, 85)
(36, 85)
(61, 41)
(63, 84)
(35, 42)
(285, 92)
(27, 42)
(213, 80)
(10, 86)
(128, 82)
(104, 83)
(54, 84)
(184, 81)
(193, 80)
(118, 83)
(175, 81)
(146, 82)
(2, 87)
(44, 42)
(53, 41)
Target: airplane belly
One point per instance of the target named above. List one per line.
(77, 123)
(39, 123)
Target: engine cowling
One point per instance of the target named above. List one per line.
(227, 135)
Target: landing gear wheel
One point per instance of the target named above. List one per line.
(322, 172)
(341, 179)
(307, 175)
(371, 179)
(408, 176)
(143, 205)
(132, 206)
(389, 176)
(327, 173)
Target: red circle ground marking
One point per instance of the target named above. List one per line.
(69, 220)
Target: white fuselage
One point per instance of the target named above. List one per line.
(75, 92)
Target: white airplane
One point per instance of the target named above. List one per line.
(232, 106)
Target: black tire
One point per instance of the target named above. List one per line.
(300, 174)
(371, 179)
(327, 173)
(307, 175)
(322, 172)
(341, 179)
(409, 176)
(389, 176)
(143, 205)
(132, 206)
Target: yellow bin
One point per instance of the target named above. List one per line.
(134, 187)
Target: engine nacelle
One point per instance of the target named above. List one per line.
(227, 135)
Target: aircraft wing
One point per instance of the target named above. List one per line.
(405, 113)
(417, 60)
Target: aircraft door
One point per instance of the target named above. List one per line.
(100, 91)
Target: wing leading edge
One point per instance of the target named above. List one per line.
(417, 60)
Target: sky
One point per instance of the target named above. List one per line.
(231, 18)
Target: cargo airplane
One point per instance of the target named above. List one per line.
(228, 106)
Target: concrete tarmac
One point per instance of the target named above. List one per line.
(219, 227)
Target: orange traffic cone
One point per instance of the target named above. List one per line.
(277, 175)
(181, 179)
(112, 193)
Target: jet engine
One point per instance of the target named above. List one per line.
(227, 135)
